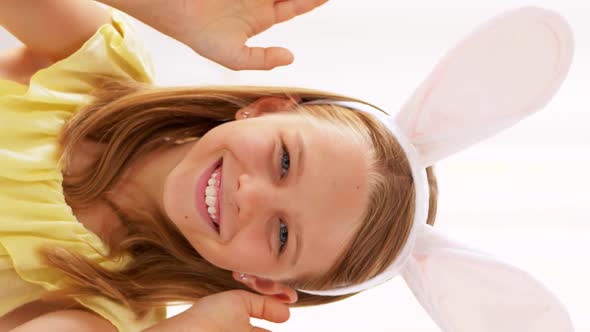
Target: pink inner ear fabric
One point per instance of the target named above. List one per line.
(506, 70)
(467, 290)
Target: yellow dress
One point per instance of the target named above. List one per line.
(33, 211)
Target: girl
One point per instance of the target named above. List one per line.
(308, 197)
(178, 214)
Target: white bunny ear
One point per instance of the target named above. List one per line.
(465, 290)
(506, 70)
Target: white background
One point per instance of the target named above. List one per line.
(522, 195)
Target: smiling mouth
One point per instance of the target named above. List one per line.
(212, 196)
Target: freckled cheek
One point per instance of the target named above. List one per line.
(252, 149)
(241, 255)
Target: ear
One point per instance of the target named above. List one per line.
(266, 105)
(464, 289)
(264, 286)
(507, 69)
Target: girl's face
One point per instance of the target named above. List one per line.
(274, 196)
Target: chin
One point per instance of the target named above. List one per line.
(172, 201)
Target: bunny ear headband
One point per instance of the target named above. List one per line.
(509, 68)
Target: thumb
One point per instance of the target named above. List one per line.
(259, 329)
(264, 307)
(261, 58)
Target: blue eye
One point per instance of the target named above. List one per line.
(285, 162)
(283, 236)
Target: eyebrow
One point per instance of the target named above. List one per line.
(300, 162)
(300, 154)
(298, 247)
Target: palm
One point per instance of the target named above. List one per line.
(219, 29)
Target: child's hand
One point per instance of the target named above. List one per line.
(226, 311)
(219, 29)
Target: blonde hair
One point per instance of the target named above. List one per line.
(133, 119)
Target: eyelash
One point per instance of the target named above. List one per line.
(285, 165)
(283, 231)
(285, 153)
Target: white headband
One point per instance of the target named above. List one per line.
(422, 196)
(506, 70)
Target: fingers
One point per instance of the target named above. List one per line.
(262, 58)
(264, 307)
(287, 9)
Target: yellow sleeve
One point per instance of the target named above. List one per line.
(33, 211)
(115, 50)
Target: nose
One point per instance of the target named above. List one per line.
(255, 198)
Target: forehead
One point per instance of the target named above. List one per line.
(331, 195)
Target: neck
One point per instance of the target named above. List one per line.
(141, 185)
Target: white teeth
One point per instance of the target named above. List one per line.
(211, 191)
(211, 196)
(211, 200)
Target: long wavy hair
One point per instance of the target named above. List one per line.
(132, 119)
